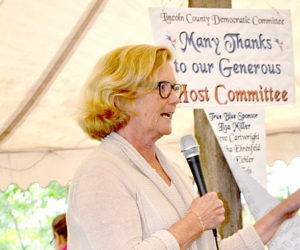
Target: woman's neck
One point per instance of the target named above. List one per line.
(143, 143)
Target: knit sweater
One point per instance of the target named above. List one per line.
(117, 201)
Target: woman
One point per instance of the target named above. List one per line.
(127, 195)
(60, 234)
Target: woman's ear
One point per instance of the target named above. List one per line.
(123, 104)
(119, 102)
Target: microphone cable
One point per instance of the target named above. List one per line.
(216, 238)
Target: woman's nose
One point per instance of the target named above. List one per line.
(174, 97)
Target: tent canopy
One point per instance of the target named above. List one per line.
(48, 49)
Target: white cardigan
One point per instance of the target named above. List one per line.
(117, 201)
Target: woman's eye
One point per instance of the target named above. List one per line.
(165, 86)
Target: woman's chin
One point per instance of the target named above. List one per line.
(167, 131)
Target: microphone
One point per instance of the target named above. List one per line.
(191, 151)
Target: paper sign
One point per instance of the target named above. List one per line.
(241, 131)
(229, 57)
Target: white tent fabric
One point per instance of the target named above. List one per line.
(47, 49)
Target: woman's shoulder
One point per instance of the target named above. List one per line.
(98, 169)
(99, 162)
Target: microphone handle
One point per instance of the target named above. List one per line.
(194, 162)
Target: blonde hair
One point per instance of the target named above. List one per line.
(120, 76)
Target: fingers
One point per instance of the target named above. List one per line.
(210, 209)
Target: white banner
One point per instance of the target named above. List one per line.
(227, 56)
(241, 132)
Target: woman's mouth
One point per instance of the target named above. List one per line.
(167, 115)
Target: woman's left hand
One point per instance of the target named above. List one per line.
(267, 226)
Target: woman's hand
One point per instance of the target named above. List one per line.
(268, 225)
(210, 210)
(205, 213)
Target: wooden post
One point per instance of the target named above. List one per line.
(217, 173)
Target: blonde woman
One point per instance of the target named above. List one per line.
(127, 194)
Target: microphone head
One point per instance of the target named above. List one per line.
(189, 146)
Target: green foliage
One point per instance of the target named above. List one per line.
(26, 216)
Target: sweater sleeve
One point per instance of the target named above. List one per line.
(107, 215)
(244, 239)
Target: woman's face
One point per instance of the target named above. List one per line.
(154, 114)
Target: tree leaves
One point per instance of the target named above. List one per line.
(26, 215)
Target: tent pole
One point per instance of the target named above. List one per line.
(216, 170)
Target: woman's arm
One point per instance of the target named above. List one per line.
(268, 225)
(264, 229)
